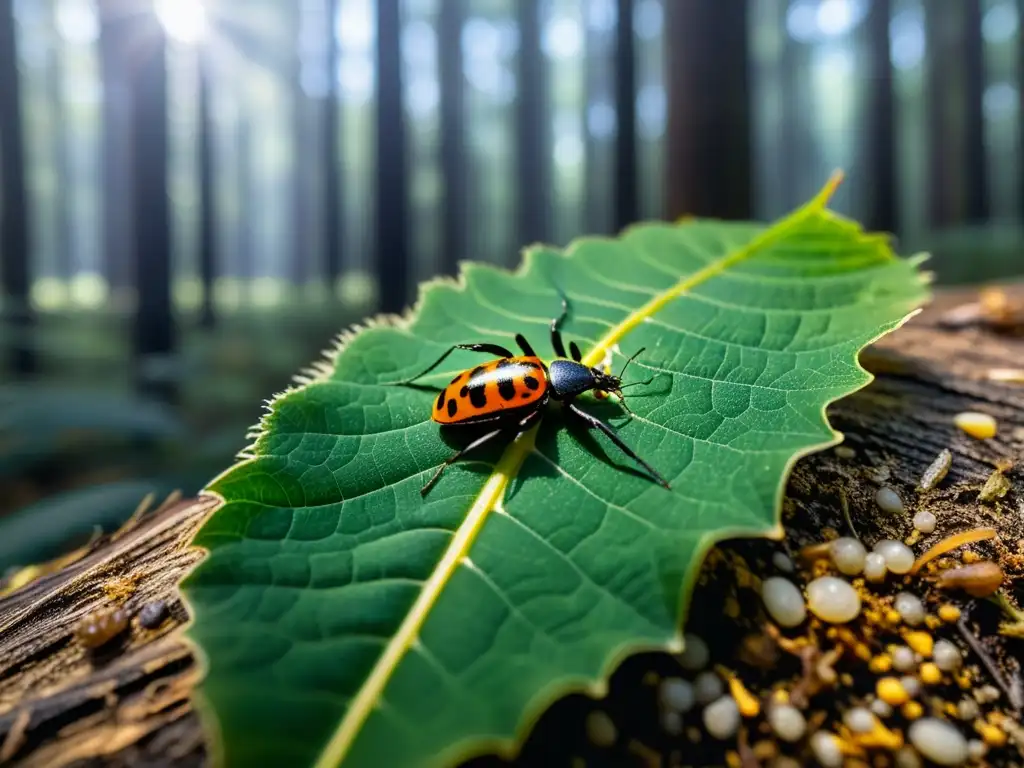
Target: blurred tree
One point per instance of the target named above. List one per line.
(626, 187)
(115, 65)
(954, 80)
(207, 197)
(332, 203)
(709, 157)
(392, 173)
(881, 165)
(450, 22)
(532, 129)
(150, 209)
(14, 206)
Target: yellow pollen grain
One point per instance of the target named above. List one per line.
(921, 642)
(891, 691)
(930, 674)
(949, 613)
(880, 664)
(746, 702)
(912, 710)
(994, 737)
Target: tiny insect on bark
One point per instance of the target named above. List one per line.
(512, 392)
(100, 627)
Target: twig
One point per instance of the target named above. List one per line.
(990, 665)
(845, 506)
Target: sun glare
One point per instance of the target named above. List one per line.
(184, 20)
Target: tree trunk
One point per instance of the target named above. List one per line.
(59, 706)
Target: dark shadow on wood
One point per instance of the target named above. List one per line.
(14, 204)
(392, 260)
(709, 128)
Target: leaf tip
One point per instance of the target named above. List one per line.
(822, 198)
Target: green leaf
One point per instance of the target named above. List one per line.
(346, 620)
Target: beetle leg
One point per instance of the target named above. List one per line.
(525, 345)
(524, 424)
(556, 334)
(593, 421)
(491, 349)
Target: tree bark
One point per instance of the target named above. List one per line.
(59, 705)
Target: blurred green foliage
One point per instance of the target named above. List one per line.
(79, 448)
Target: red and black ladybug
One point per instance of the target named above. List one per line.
(511, 392)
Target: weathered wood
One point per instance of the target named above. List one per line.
(61, 706)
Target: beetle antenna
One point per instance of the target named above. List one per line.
(637, 383)
(626, 364)
(622, 402)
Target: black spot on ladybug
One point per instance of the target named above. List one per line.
(507, 389)
(455, 379)
(525, 395)
(452, 407)
(476, 372)
(531, 382)
(478, 397)
(503, 363)
(464, 392)
(440, 399)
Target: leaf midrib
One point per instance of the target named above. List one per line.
(492, 493)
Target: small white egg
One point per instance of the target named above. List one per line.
(695, 653)
(707, 686)
(826, 749)
(848, 555)
(903, 659)
(721, 717)
(976, 749)
(967, 709)
(783, 562)
(889, 501)
(911, 685)
(899, 558)
(881, 708)
(787, 721)
(906, 757)
(833, 600)
(874, 567)
(909, 607)
(601, 730)
(671, 722)
(677, 694)
(946, 656)
(783, 601)
(938, 741)
(924, 521)
(859, 720)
